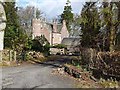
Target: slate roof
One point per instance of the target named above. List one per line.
(71, 41)
(59, 27)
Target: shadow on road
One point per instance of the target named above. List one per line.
(57, 62)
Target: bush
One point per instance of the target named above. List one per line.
(40, 44)
(109, 63)
(46, 50)
(106, 62)
(36, 46)
(36, 56)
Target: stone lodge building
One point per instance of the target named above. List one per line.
(53, 32)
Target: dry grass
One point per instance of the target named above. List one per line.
(7, 63)
(109, 83)
(88, 84)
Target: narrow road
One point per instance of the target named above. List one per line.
(33, 76)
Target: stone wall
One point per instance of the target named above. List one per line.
(56, 51)
(56, 38)
(41, 28)
(49, 30)
(64, 31)
(36, 28)
(47, 33)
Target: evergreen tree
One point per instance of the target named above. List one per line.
(67, 15)
(107, 27)
(15, 37)
(90, 24)
(111, 21)
(11, 30)
(38, 13)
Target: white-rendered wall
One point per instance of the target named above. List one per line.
(56, 38)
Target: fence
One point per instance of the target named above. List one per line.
(8, 55)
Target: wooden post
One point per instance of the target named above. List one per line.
(10, 55)
(14, 55)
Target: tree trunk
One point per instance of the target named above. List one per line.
(112, 38)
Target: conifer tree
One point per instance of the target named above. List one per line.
(67, 15)
(90, 24)
(111, 20)
(15, 38)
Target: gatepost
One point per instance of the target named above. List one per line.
(2, 27)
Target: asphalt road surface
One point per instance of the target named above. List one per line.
(33, 76)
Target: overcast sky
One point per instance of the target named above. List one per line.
(52, 8)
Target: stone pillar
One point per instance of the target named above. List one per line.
(0, 56)
(2, 27)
